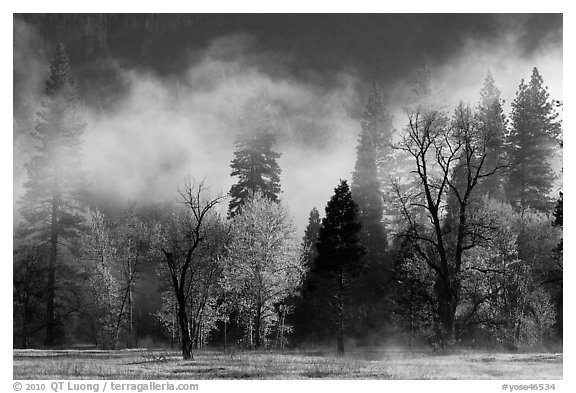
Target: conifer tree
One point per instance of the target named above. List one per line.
(371, 152)
(256, 168)
(307, 324)
(50, 208)
(531, 144)
(492, 123)
(254, 160)
(340, 253)
(309, 251)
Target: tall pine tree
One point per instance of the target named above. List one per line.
(50, 209)
(370, 311)
(373, 146)
(309, 251)
(531, 144)
(340, 253)
(254, 160)
(305, 319)
(492, 123)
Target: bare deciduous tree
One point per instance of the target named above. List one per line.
(448, 160)
(181, 236)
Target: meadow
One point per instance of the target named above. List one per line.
(142, 364)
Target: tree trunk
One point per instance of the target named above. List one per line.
(448, 320)
(251, 334)
(51, 289)
(411, 313)
(279, 328)
(174, 325)
(184, 329)
(194, 334)
(451, 323)
(282, 328)
(340, 314)
(258, 324)
(447, 295)
(119, 320)
(520, 307)
(24, 337)
(227, 315)
(129, 344)
(225, 334)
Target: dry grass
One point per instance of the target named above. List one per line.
(210, 364)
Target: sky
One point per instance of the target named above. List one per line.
(175, 108)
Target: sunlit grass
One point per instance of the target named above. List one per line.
(212, 364)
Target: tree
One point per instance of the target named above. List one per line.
(29, 282)
(415, 305)
(167, 314)
(309, 251)
(263, 266)
(559, 211)
(111, 256)
(372, 155)
(181, 236)
(255, 165)
(439, 148)
(373, 143)
(304, 317)
(535, 309)
(339, 253)
(50, 208)
(530, 145)
(103, 288)
(555, 277)
(254, 160)
(503, 282)
(133, 240)
(204, 293)
(492, 125)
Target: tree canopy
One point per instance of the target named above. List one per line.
(531, 145)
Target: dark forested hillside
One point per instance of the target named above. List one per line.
(317, 45)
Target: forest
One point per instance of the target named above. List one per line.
(447, 233)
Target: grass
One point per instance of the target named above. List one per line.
(211, 364)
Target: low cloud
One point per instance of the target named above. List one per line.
(163, 128)
(166, 128)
